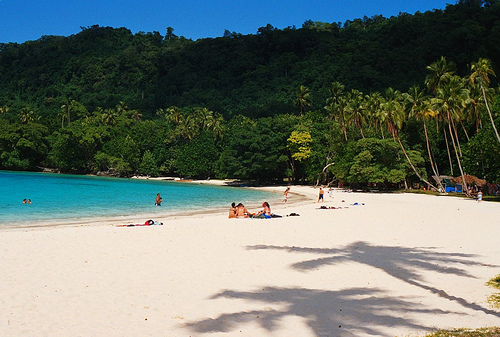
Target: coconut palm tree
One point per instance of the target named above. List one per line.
(438, 74)
(356, 110)
(475, 104)
(395, 118)
(374, 102)
(303, 99)
(108, 117)
(336, 104)
(449, 102)
(66, 110)
(419, 107)
(3, 110)
(136, 115)
(481, 71)
(174, 115)
(26, 115)
(216, 125)
(121, 108)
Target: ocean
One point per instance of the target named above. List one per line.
(74, 199)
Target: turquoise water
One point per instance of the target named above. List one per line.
(66, 199)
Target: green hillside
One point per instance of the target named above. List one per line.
(82, 103)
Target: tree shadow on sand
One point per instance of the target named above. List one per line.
(348, 312)
(403, 263)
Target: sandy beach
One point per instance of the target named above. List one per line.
(381, 265)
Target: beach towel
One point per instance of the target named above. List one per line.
(147, 223)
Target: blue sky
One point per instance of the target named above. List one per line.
(22, 20)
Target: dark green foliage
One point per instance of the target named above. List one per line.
(196, 158)
(256, 149)
(253, 75)
(22, 146)
(372, 160)
(227, 107)
(482, 155)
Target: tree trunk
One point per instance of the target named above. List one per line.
(411, 164)
(433, 166)
(344, 129)
(465, 131)
(458, 158)
(448, 149)
(455, 131)
(489, 112)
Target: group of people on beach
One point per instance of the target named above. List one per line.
(240, 211)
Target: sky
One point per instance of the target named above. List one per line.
(23, 20)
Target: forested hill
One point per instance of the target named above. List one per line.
(254, 75)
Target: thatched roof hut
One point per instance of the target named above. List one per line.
(470, 180)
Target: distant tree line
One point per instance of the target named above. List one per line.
(385, 101)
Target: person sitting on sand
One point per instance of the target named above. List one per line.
(158, 200)
(241, 211)
(232, 211)
(266, 212)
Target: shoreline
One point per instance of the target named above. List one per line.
(164, 217)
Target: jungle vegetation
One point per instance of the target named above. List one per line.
(386, 101)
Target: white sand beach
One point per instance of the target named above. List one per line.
(393, 265)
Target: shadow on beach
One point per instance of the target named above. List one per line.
(347, 312)
(354, 311)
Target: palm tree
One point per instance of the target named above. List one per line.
(216, 125)
(303, 99)
(109, 116)
(480, 70)
(121, 108)
(374, 102)
(66, 110)
(449, 102)
(204, 117)
(439, 73)
(3, 110)
(356, 110)
(419, 106)
(395, 119)
(26, 115)
(136, 115)
(475, 104)
(336, 104)
(174, 115)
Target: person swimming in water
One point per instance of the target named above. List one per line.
(158, 200)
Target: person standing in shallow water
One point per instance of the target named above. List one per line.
(158, 200)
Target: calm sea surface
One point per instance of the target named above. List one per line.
(67, 199)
